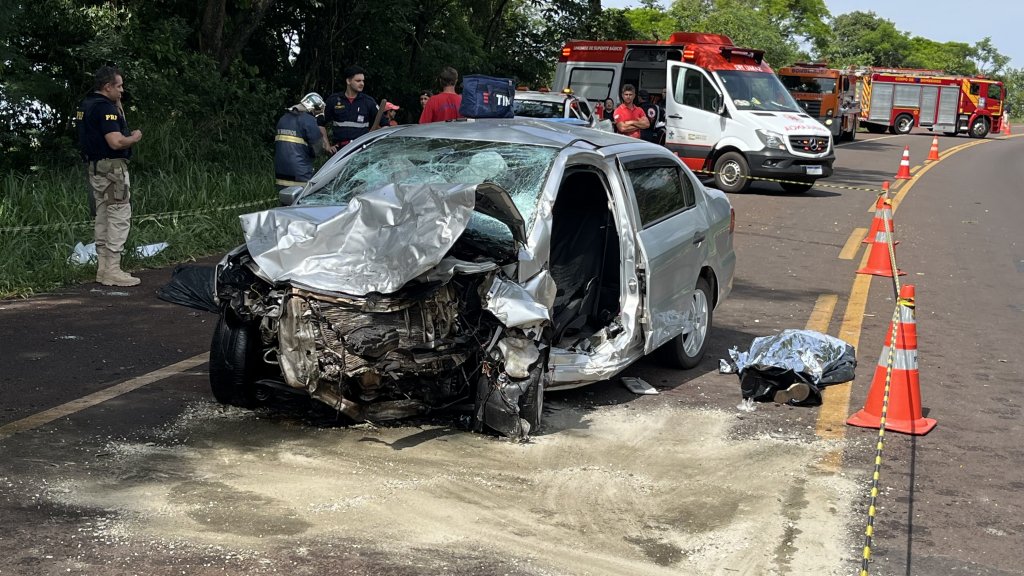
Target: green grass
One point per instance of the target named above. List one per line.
(170, 173)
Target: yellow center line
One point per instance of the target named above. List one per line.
(821, 316)
(77, 405)
(853, 243)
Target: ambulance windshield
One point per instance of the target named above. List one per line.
(759, 91)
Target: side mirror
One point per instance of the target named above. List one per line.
(288, 196)
(719, 103)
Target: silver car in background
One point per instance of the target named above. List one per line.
(475, 264)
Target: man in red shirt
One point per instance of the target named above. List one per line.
(445, 105)
(629, 118)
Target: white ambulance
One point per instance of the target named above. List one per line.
(727, 112)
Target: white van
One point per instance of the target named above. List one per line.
(727, 112)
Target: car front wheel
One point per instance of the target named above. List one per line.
(234, 361)
(686, 350)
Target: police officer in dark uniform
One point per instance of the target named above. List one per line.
(106, 143)
(297, 142)
(348, 114)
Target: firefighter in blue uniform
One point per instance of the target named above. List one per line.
(349, 113)
(297, 142)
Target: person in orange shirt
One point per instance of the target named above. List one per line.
(444, 105)
(630, 119)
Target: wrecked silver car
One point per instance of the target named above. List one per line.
(471, 263)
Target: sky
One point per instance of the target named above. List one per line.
(939, 20)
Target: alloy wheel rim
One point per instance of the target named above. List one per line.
(694, 340)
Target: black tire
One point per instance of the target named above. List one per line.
(851, 134)
(686, 350)
(531, 403)
(874, 128)
(796, 187)
(234, 361)
(979, 128)
(732, 173)
(903, 124)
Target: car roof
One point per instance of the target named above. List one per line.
(513, 131)
(543, 96)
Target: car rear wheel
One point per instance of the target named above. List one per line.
(234, 361)
(686, 350)
(732, 173)
(904, 124)
(979, 128)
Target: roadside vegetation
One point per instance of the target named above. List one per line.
(207, 80)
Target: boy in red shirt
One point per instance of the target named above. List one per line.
(629, 118)
(445, 105)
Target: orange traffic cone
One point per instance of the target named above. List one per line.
(883, 212)
(903, 405)
(879, 263)
(933, 154)
(1006, 124)
(904, 172)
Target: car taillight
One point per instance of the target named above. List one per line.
(732, 220)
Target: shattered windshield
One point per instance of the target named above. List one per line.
(757, 91)
(518, 168)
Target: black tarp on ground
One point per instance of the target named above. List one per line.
(191, 285)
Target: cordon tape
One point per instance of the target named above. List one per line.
(869, 530)
(137, 218)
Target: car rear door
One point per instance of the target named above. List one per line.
(672, 240)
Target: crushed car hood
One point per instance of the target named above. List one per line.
(378, 242)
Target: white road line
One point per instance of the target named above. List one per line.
(66, 409)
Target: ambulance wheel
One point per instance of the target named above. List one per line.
(234, 357)
(732, 173)
(979, 128)
(903, 125)
(874, 128)
(686, 350)
(796, 187)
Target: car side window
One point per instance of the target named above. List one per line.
(975, 89)
(995, 92)
(660, 192)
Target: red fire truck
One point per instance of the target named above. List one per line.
(726, 111)
(899, 100)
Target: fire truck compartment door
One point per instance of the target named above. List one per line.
(692, 104)
(929, 99)
(949, 100)
(881, 102)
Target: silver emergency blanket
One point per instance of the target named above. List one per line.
(775, 362)
(377, 243)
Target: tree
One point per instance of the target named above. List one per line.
(864, 38)
(990, 62)
(950, 57)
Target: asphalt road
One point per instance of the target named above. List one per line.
(115, 460)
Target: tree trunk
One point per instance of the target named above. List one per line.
(211, 28)
(249, 20)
